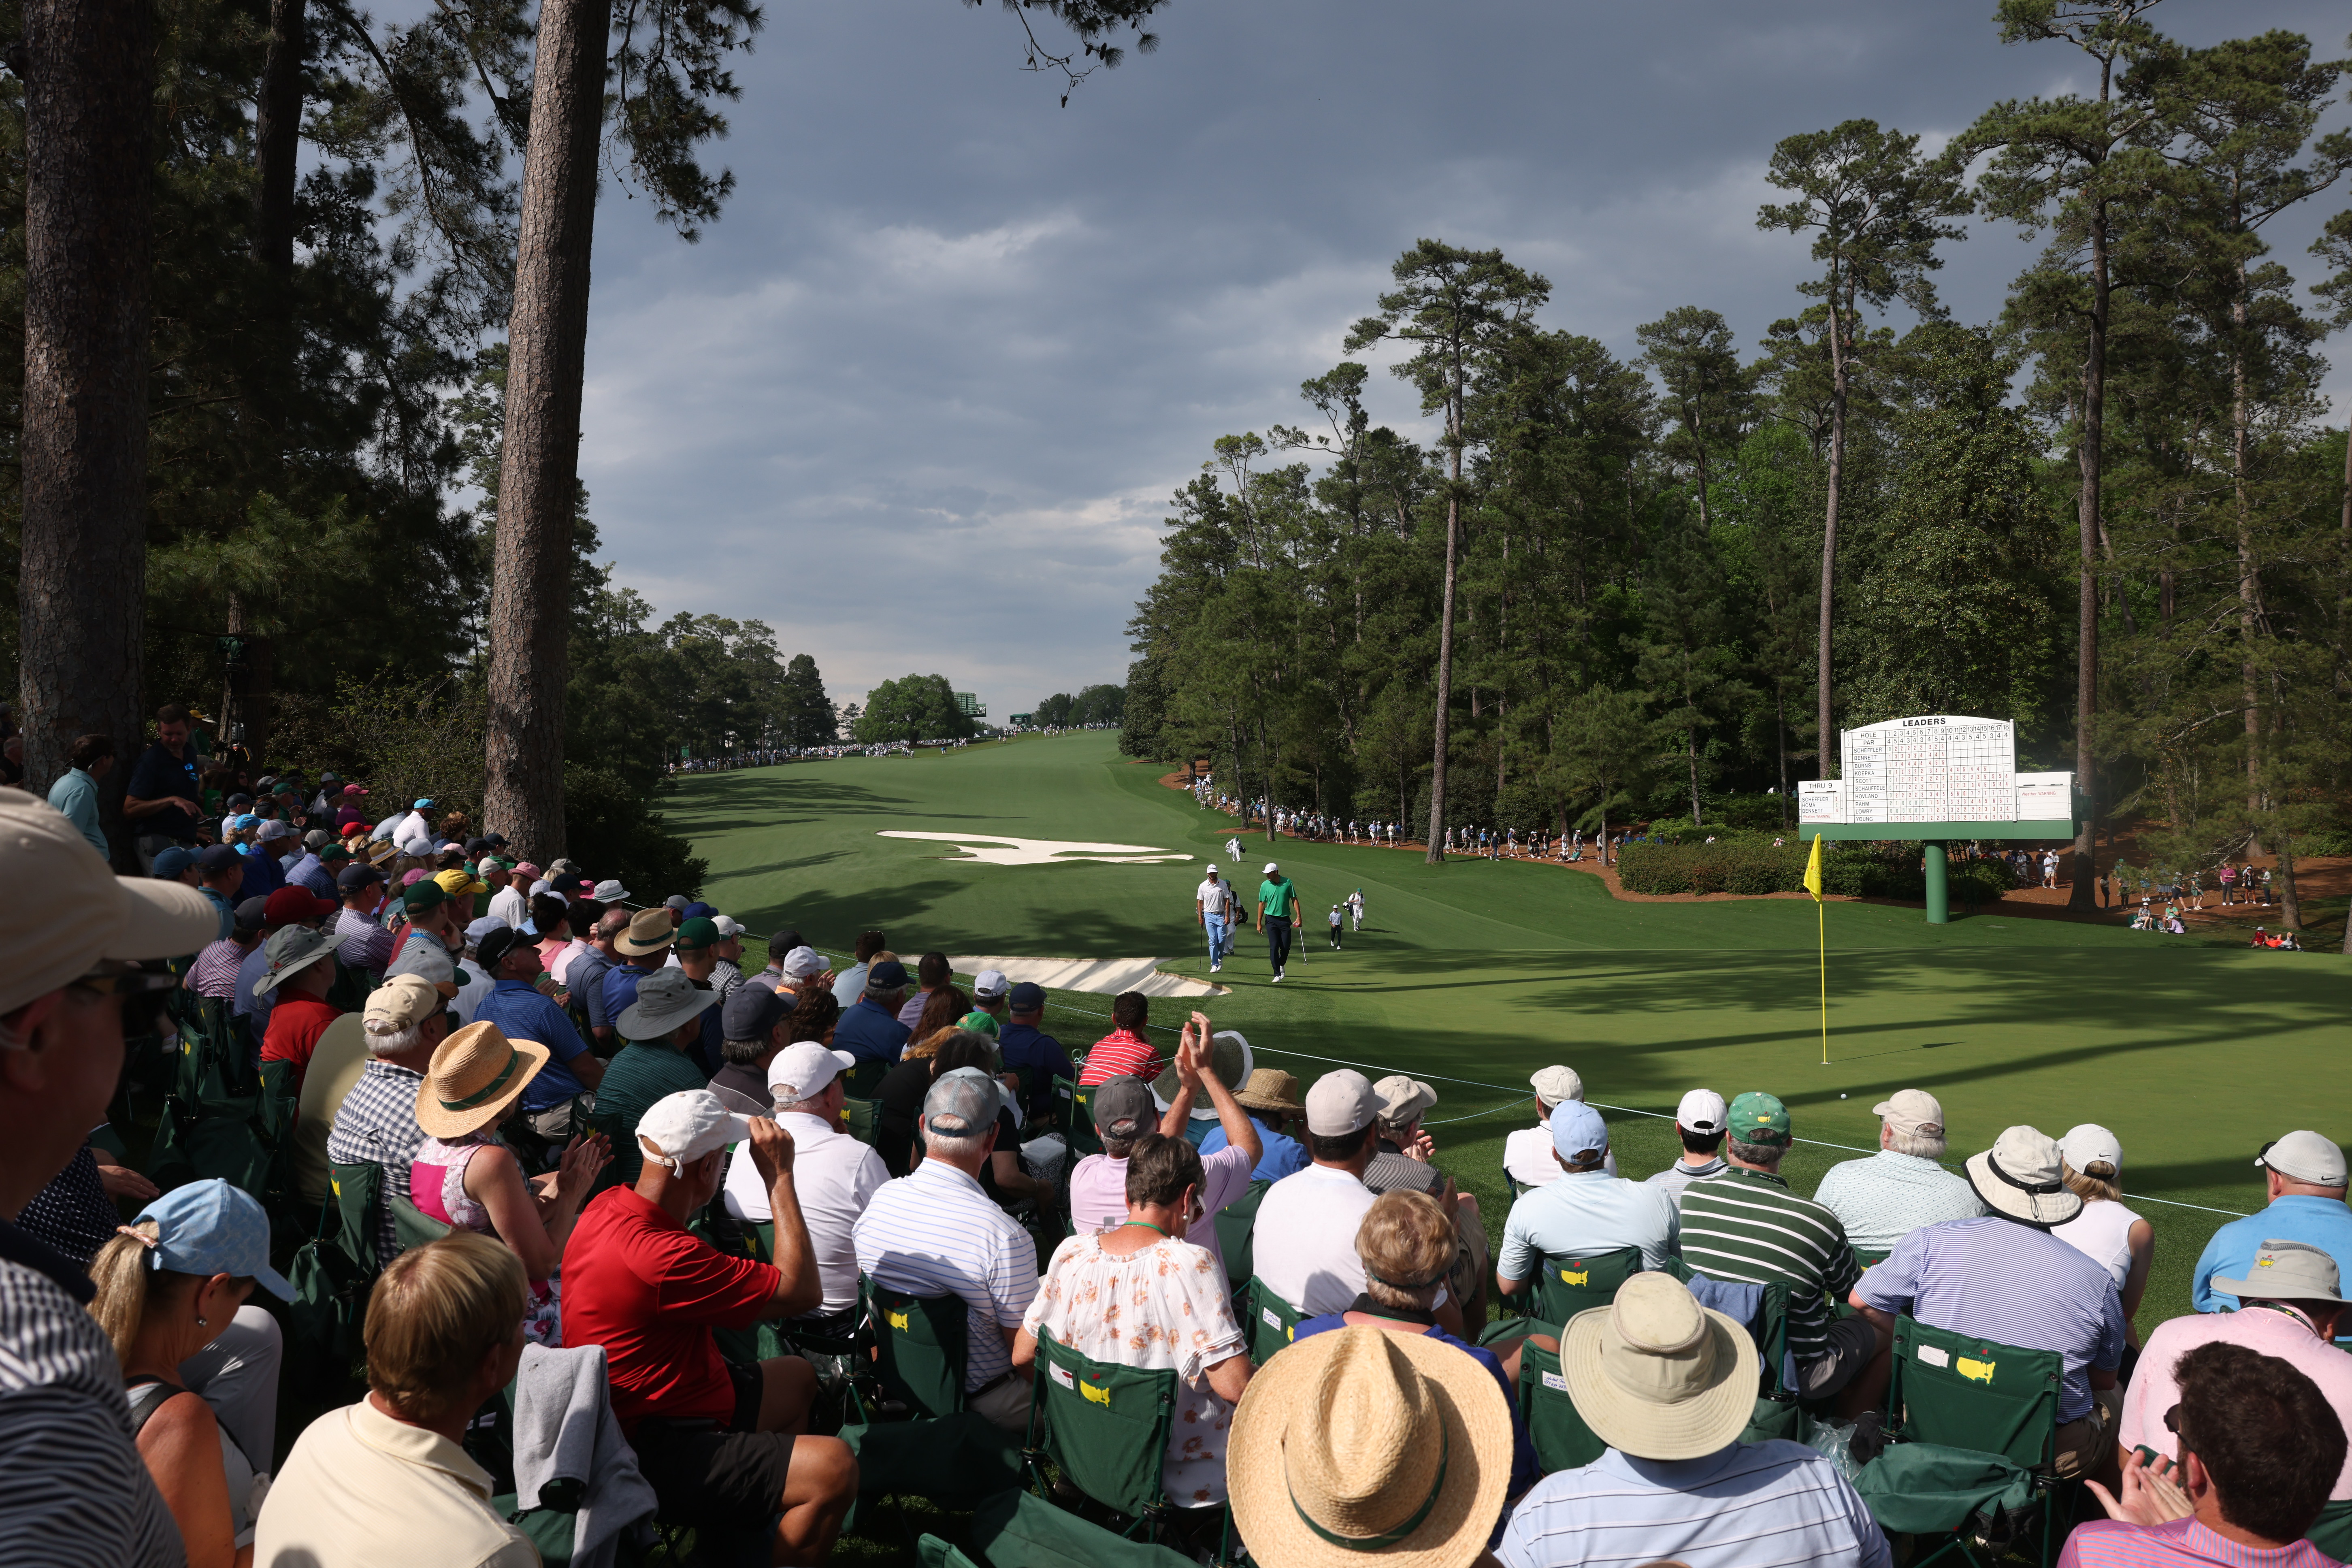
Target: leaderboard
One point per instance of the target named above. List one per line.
(1934, 767)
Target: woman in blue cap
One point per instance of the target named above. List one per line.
(168, 1284)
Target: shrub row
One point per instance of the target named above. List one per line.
(1752, 866)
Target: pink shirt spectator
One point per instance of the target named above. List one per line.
(2182, 1543)
(2264, 1330)
(1098, 1194)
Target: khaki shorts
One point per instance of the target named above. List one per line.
(1853, 1344)
(2083, 1443)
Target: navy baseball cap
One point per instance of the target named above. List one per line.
(218, 858)
(173, 861)
(888, 975)
(350, 878)
(1028, 996)
(751, 1011)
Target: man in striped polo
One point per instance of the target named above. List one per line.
(1745, 1224)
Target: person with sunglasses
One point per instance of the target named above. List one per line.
(2305, 1177)
(79, 1491)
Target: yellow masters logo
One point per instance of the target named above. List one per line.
(1577, 1277)
(1975, 1371)
(1098, 1395)
(899, 1322)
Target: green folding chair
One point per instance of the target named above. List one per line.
(1270, 1321)
(1958, 1393)
(1562, 1440)
(921, 1347)
(859, 1115)
(1018, 1530)
(1084, 1138)
(931, 1552)
(865, 1078)
(2332, 1531)
(1237, 1225)
(1106, 1428)
(1568, 1283)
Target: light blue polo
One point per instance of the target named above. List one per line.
(1588, 1211)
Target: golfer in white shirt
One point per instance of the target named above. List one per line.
(1210, 906)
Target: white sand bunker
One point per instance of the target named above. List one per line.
(1100, 976)
(996, 849)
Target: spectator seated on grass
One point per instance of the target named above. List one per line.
(1527, 1151)
(1139, 1295)
(719, 1442)
(523, 1012)
(934, 1232)
(2007, 1279)
(2305, 1176)
(801, 971)
(2105, 1232)
(1408, 1245)
(899, 1110)
(2262, 1450)
(1028, 1048)
(1587, 1209)
(931, 972)
(406, 1020)
(1746, 1227)
(1271, 1098)
(170, 1284)
(387, 1483)
(834, 1174)
(586, 974)
(463, 1177)
(695, 954)
(1699, 1126)
(2291, 1308)
(1669, 1385)
(1303, 1242)
(758, 1024)
(662, 1024)
(869, 1028)
(1125, 1052)
(1124, 1114)
(1359, 1445)
(1403, 1158)
(1881, 1199)
(850, 984)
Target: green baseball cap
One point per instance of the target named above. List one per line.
(423, 897)
(1759, 1118)
(979, 1022)
(697, 933)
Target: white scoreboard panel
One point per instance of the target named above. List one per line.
(1935, 768)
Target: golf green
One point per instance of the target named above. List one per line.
(1472, 974)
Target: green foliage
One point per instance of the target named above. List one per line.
(609, 827)
(1094, 705)
(913, 708)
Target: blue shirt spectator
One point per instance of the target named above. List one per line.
(871, 1032)
(263, 874)
(160, 775)
(522, 1012)
(584, 979)
(1972, 1277)
(76, 794)
(308, 872)
(2325, 1223)
(1747, 1503)
(1588, 1211)
(1283, 1154)
(620, 990)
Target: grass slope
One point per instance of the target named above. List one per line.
(1482, 971)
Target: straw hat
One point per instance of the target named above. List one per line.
(1270, 1088)
(650, 931)
(1358, 1444)
(476, 1076)
(1655, 1374)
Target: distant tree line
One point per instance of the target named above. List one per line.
(1092, 705)
(1657, 587)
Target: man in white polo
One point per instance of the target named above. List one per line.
(1527, 1151)
(1210, 907)
(1304, 1244)
(836, 1175)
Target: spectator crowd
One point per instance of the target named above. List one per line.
(637, 1233)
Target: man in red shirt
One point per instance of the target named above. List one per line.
(1124, 1051)
(300, 970)
(719, 1443)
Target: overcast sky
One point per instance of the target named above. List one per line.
(918, 398)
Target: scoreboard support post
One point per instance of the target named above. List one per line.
(1934, 838)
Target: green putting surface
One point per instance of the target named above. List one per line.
(1474, 973)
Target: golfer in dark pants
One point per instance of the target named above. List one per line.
(1277, 905)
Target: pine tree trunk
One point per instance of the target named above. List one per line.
(2248, 573)
(538, 470)
(1838, 371)
(278, 138)
(88, 71)
(2091, 460)
(1445, 621)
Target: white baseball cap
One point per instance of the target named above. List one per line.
(1269, 870)
(1557, 1085)
(679, 1129)
(1340, 1102)
(806, 1068)
(728, 926)
(2090, 1144)
(1212, 867)
(2305, 1157)
(988, 985)
(1701, 1110)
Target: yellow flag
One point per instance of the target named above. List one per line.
(1813, 871)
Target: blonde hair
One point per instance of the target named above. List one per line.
(1405, 1238)
(433, 1314)
(2101, 1184)
(129, 1285)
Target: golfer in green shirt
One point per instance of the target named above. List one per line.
(1277, 907)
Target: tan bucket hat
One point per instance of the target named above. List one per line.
(2021, 1177)
(650, 931)
(1655, 1374)
(1270, 1088)
(1357, 1445)
(476, 1075)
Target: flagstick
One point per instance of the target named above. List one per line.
(1821, 914)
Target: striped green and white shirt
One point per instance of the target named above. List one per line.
(1747, 1226)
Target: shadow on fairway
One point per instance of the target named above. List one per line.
(787, 801)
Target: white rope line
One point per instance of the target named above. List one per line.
(1602, 1105)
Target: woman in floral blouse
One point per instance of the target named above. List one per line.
(1140, 1295)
